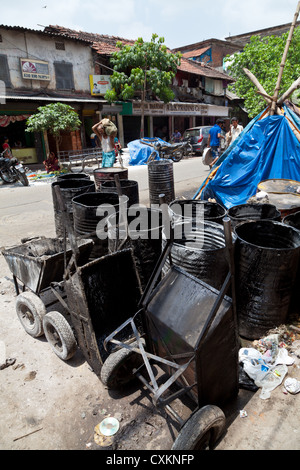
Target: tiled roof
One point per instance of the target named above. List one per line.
(39, 31)
(106, 45)
(196, 68)
(102, 43)
(195, 53)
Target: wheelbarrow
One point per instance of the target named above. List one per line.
(39, 265)
(190, 331)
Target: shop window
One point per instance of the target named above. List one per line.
(4, 71)
(64, 76)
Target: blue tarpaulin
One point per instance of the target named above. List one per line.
(266, 149)
(140, 152)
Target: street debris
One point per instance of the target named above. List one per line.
(266, 362)
(292, 385)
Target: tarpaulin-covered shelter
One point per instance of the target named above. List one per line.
(267, 148)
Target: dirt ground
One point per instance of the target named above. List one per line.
(49, 404)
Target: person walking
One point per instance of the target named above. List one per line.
(106, 131)
(215, 135)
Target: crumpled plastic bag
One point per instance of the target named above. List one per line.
(292, 385)
(265, 376)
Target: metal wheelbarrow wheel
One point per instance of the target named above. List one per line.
(117, 368)
(202, 430)
(31, 310)
(60, 335)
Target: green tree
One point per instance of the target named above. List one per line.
(55, 118)
(146, 68)
(262, 56)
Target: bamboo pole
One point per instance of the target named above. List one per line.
(288, 93)
(282, 65)
(260, 88)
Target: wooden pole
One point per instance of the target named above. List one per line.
(282, 65)
(288, 93)
(259, 87)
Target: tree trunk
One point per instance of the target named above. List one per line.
(142, 133)
(57, 146)
(47, 150)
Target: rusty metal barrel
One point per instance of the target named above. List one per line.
(161, 181)
(69, 189)
(90, 209)
(141, 230)
(108, 174)
(266, 263)
(198, 211)
(200, 250)
(129, 188)
(245, 212)
(73, 176)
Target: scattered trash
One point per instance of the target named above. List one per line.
(243, 414)
(292, 385)
(7, 363)
(28, 434)
(105, 431)
(265, 376)
(109, 426)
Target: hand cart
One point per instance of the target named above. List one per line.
(189, 330)
(39, 264)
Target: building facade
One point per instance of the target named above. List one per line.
(38, 68)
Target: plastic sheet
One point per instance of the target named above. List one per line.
(266, 149)
(140, 151)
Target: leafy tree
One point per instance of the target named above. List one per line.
(143, 69)
(262, 56)
(55, 118)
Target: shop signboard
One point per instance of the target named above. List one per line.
(177, 109)
(99, 84)
(35, 69)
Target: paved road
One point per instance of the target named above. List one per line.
(28, 211)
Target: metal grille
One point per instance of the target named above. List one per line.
(60, 46)
(64, 76)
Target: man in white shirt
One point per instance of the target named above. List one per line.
(235, 130)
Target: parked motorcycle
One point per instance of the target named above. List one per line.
(174, 152)
(11, 170)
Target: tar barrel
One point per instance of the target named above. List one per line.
(266, 263)
(89, 210)
(293, 220)
(68, 189)
(129, 188)
(73, 176)
(245, 212)
(201, 251)
(161, 181)
(198, 211)
(108, 174)
(141, 230)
